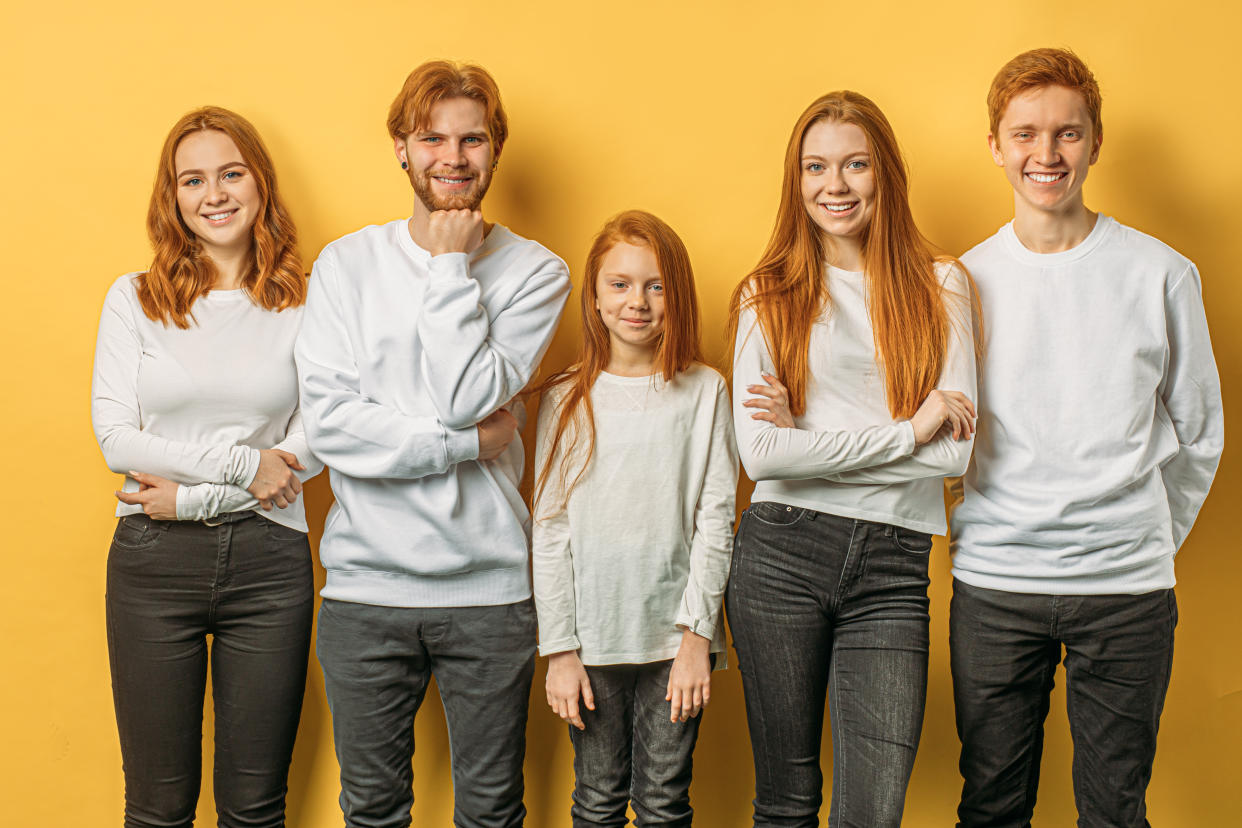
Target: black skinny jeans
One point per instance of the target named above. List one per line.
(247, 583)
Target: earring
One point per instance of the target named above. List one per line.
(495, 164)
(404, 166)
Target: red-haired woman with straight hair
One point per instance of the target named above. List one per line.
(195, 401)
(636, 471)
(853, 376)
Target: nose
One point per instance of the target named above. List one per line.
(216, 194)
(454, 154)
(834, 182)
(637, 297)
(1047, 153)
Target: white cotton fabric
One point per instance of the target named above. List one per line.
(196, 405)
(848, 455)
(642, 549)
(1100, 417)
(401, 354)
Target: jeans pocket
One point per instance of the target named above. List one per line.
(776, 514)
(281, 533)
(915, 543)
(134, 532)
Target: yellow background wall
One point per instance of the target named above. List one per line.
(680, 108)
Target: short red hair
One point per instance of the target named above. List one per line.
(1043, 67)
(438, 80)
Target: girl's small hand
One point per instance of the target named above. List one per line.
(690, 679)
(952, 410)
(773, 399)
(156, 496)
(567, 679)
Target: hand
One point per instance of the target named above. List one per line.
(156, 495)
(496, 432)
(275, 482)
(690, 679)
(567, 678)
(952, 410)
(774, 400)
(454, 231)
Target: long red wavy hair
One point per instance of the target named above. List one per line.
(677, 349)
(181, 271)
(788, 291)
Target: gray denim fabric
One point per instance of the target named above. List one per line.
(819, 603)
(377, 663)
(1004, 648)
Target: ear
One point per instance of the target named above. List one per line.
(1095, 148)
(997, 157)
(398, 147)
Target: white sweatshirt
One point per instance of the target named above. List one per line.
(643, 547)
(196, 405)
(847, 455)
(401, 354)
(1100, 416)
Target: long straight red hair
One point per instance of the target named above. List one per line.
(181, 271)
(788, 291)
(676, 350)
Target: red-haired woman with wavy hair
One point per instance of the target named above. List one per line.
(636, 471)
(853, 376)
(195, 401)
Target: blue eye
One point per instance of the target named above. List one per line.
(232, 174)
(192, 182)
(657, 287)
(856, 165)
(814, 167)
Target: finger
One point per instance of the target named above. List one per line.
(297, 486)
(280, 501)
(674, 707)
(266, 504)
(707, 692)
(697, 698)
(588, 696)
(759, 402)
(132, 498)
(764, 415)
(764, 390)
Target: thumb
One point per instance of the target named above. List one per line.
(588, 697)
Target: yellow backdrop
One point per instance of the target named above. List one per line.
(679, 108)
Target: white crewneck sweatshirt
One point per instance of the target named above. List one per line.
(196, 405)
(401, 354)
(847, 455)
(643, 547)
(1100, 420)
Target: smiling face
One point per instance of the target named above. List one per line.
(629, 295)
(217, 195)
(838, 185)
(1045, 143)
(450, 159)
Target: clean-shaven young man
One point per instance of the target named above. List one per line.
(1099, 432)
(418, 335)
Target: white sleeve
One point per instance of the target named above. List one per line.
(552, 565)
(772, 453)
(474, 365)
(711, 546)
(1190, 395)
(116, 414)
(943, 456)
(345, 430)
(206, 500)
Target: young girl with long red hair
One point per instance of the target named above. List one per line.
(636, 472)
(853, 380)
(195, 401)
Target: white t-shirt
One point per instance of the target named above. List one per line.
(1100, 421)
(642, 549)
(847, 455)
(195, 405)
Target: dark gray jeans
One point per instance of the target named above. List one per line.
(630, 752)
(377, 663)
(1004, 650)
(818, 603)
(247, 583)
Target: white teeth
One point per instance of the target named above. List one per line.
(1044, 178)
(838, 208)
(220, 216)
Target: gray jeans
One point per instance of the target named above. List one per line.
(377, 663)
(630, 753)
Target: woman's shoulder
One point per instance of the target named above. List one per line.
(951, 273)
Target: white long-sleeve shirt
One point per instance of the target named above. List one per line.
(642, 549)
(196, 405)
(847, 455)
(401, 354)
(1100, 420)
